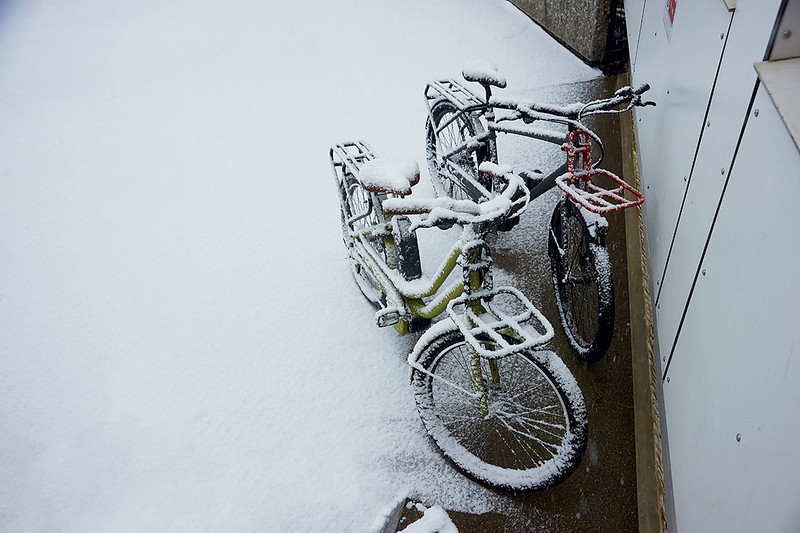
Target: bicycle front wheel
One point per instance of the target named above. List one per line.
(583, 282)
(529, 433)
(456, 129)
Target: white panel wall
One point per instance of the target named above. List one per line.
(634, 9)
(681, 73)
(732, 399)
(746, 44)
(722, 223)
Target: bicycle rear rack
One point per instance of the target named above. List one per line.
(351, 155)
(453, 91)
(593, 197)
(508, 321)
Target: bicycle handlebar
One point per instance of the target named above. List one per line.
(624, 95)
(444, 211)
(628, 95)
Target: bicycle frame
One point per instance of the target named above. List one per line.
(470, 301)
(405, 300)
(522, 114)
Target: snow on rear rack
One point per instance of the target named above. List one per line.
(591, 194)
(453, 91)
(351, 155)
(508, 320)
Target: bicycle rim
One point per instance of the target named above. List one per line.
(535, 433)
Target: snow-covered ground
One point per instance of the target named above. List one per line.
(182, 347)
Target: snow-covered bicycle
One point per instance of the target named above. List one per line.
(504, 412)
(461, 133)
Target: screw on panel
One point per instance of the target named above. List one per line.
(738, 437)
(786, 34)
(755, 113)
(704, 271)
(722, 171)
(721, 35)
(667, 379)
(708, 124)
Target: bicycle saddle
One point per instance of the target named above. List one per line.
(389, 175)
(485, 73)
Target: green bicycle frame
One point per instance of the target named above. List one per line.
(412, 295)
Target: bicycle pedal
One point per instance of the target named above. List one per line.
(388, 316)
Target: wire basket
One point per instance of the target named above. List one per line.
(581, 187)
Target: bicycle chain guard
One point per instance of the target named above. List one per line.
(594, 197)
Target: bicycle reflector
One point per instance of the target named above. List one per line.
(581, 186)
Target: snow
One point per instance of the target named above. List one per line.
(389, 174)
(448, 210)
(483, 71)
(434, 520)
(184, 348)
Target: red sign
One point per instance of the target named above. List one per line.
(669, 17)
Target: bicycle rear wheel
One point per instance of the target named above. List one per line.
(357, 212)
(583, 282)
(535, 433)
(458, 128)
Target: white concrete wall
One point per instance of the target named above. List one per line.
(722, 225)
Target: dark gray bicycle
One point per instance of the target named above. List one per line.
(461, 134)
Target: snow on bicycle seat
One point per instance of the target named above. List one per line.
(483, 71)
(389, 175)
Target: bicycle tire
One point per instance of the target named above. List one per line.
(536, 433)
(459, 130)
(583, 282)
(352, 198)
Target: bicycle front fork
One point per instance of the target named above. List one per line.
(484, 389)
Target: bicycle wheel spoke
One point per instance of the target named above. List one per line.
(534, 423)
(520, 446)
(526, 444)
(538, 430)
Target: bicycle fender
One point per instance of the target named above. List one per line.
(442, 327)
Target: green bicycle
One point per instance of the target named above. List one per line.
(504, 413)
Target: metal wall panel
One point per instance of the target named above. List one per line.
(634, 9)
(731, 398)
(747, 43)
(681, 72)
(787, 35)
